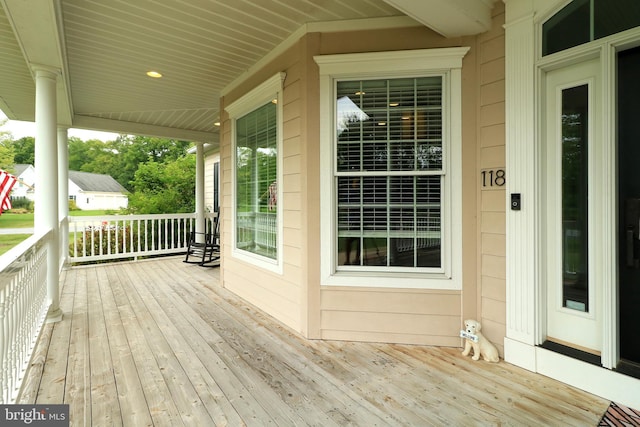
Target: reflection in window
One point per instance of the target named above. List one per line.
(389, 172)
(256, 186)
(575, 113)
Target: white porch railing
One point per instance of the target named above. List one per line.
(23, 275)
(97, 238)
(23, 307)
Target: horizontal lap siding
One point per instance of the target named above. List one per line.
(492, 226)
(296, 298)
(410, 317)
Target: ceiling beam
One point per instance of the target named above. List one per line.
(450, 18)
(118, 126)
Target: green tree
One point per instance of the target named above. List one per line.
(6, 148)
(167, 187)
(78, 153)
(131, 151)
(101, 158)
(24, 149)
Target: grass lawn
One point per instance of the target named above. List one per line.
(14, 220)
(8, 241)
(11, 220)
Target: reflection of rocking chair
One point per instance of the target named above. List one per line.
(205, 247)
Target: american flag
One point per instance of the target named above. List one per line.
(7, 182)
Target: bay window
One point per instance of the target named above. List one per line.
(390, 156)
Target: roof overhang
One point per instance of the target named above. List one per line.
(101, 51)
(450, 18)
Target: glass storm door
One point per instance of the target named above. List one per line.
(629, 210)
(573, 297)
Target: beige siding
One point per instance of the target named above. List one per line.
(391, 315)
(492, 203)
(296, 297)
(400, 315)
(278, 295)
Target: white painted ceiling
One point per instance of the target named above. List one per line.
(103, 48)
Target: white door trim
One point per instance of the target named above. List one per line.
(582, 329)
(525, 316)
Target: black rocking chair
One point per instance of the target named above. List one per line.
(204, 248)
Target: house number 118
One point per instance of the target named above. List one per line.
(491, 178)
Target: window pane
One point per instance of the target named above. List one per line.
(612, 17)
(389, 221)
(575, 113)
(389, 124)
(568, 28)
(256, 186)
(389, 135)
(582, 21)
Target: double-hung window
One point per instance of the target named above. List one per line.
(391, 145)
(256, 134)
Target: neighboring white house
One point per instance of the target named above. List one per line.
(211, 177)
(88, 190)
(96, 191)
(26, 175)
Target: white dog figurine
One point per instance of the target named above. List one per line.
(476, 341)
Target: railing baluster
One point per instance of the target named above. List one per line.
(132, 236)
(23, 306)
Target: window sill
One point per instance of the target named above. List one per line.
(439, 281)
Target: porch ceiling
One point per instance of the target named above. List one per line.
(102, 51)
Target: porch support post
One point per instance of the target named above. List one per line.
(63, 193)
(46, 193)
(522, 162)
(200, 188)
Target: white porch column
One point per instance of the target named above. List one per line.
(63, 193)
(200, 188)
(46, 189)
(522, 161)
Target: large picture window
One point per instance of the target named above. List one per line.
(256, 133)
(389, 172)
(390, 161)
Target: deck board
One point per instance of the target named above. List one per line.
(160, 343)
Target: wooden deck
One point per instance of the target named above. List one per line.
(160, 343)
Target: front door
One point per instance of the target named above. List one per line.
(629, 209)
(574, 296)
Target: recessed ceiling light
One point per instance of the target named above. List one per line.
(382, 123)
(394, 104)
(360, 92)
(274, 101)
(216, 124)
(154, 74)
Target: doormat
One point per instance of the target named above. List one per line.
(618, 415)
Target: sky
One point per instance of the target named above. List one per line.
(21, 129)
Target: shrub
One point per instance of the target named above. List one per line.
(73, 206)
(104, 239)
(21, 204)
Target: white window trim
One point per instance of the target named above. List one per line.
(259, 96)
(446, 62)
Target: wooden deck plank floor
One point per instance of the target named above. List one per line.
(160, 343)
